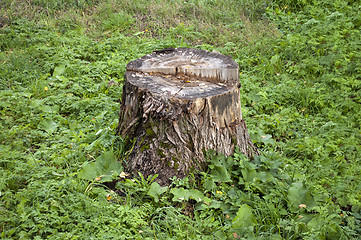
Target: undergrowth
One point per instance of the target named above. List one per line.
(61, 72)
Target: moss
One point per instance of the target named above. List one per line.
(176, 164)
(160, 153)
(165, 145)
(234, 140)
(150, 132)
(144, 147)
(151, 127)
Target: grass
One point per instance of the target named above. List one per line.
(62, 66)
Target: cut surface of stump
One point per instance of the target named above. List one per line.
(178, 103)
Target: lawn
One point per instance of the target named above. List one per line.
(61, 74)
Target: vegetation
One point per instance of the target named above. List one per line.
(61, 71)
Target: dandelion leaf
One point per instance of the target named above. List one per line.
(105, 167)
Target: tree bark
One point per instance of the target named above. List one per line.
(176, 104)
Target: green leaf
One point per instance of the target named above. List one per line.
(248, 174)
(156, 190)
(219, 165)
(179, 194)
(220, 174)
(267, 139)
(48, 125)
(59, 70)
(209, 184)
(299, 194)
(262, 137)
(105, 167)
(244, 217)
(196, 195)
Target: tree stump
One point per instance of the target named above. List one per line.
(176, 104)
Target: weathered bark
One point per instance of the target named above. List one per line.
(176, 104)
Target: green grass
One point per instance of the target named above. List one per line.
(61, 73)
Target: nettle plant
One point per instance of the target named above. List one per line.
(60, 82)
(235, 197)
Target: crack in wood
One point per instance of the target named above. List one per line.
(176, 128)
(166, 50)
(135, 120)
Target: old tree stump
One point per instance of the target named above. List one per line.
(176, 104)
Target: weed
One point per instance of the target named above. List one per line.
(62, 66)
